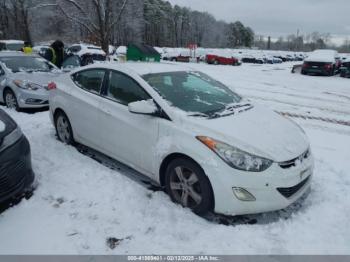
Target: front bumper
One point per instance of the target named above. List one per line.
(16, 174)
(33, 99)
(273, 189)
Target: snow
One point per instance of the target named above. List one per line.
(2, 126)
(80, 203)
(326, 56)
(12, 41)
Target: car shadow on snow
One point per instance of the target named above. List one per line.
(257, 219)
(30, 110)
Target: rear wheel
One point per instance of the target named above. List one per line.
(187, 184)
(10, 99)
(63, 128)
(216, 62)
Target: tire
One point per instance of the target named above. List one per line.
(216, 62)
(63, 129)
(187, 185)
(303, 72)
(10, 99)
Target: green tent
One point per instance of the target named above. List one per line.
(139, 52)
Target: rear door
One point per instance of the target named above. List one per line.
(128, 137)
(83, 104)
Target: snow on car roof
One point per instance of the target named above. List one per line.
(12, 41)
(155, 68)
(2, 126)
(322, 55)
(144, 68)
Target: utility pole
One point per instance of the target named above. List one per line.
(297, 41)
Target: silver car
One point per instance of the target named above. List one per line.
(24, 80)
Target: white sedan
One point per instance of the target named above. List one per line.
(211, 149)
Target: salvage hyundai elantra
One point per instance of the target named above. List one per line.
(210, 148)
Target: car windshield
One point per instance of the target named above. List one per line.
(26, 63)
(193, 92)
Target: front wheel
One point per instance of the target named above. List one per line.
(64, 129)
(10, 100)
(187, 184)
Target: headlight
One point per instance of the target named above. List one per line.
(235, 157)
(26, 85)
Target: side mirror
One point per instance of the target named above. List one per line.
(144, 107)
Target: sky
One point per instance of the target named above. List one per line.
(281, 17)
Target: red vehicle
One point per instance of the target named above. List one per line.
(220, 60)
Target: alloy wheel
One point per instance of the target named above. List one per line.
(185, 187)
(10, 100)
(63, 129)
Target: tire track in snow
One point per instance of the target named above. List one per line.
(323, 119)
(331, 110)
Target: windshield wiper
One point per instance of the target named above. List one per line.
(232, 109)
(199, 115)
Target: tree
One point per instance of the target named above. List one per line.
(98, 17)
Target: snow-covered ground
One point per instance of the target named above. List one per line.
(81, 203)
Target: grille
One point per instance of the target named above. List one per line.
(11, 177)
(290, 191)
(295, 161)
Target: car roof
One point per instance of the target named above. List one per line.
(145, 68)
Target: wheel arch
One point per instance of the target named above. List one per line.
(167, 160)
(4, 90)
(57, 111)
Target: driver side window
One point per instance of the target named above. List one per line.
(2, 72)
(124, 89)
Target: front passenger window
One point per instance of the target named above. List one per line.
(124, 89)
(90, 80)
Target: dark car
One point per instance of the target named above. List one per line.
(345, 69)
(16, 174)
(252, 60)
(321, 62)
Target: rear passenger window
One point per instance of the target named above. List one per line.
(90, 80)
(124, 89)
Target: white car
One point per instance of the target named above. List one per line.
(81, 50)
(207, 146)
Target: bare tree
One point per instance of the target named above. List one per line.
(98, 17)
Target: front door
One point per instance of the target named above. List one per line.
(130, 138)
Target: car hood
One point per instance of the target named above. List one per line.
(258, 131)
(41, 78)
